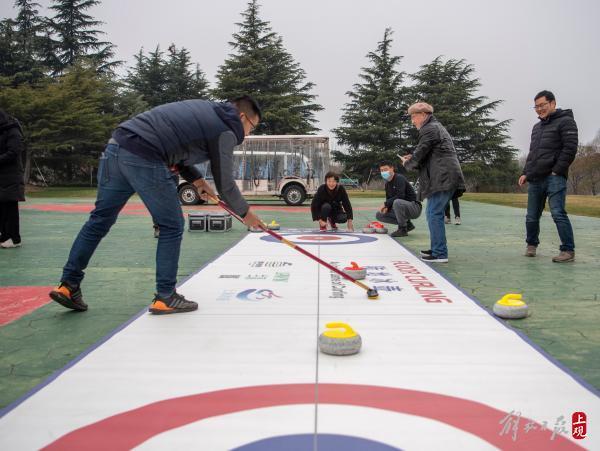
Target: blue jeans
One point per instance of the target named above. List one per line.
(120, 175)
(436, 204)
(554, 188)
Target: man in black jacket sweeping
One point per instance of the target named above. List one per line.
(554, 141)
(401, 204)
(142, 157)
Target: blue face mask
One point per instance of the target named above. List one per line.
(386, 175)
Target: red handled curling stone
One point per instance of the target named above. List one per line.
(379, 227)
(355, 271)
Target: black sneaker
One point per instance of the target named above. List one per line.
(409, 226)
(175, 303)
(425, 253)
(432, 259)
(69, 296)
(400, 232)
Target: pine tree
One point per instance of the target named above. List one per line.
(481, 142)
(8, 49)
(372, 125)
(261, 67)
(28, 24)
(181, 82)
(159, 79)
(147, 78)
(67, 121)
(451, 88)
(76, 36)
(30, 29)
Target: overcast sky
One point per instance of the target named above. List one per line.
(518, 47)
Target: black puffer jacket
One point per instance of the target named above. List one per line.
(12, 186)
(435, 158)
(338, 199)
(553, 146)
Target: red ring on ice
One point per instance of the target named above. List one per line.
(129, 429)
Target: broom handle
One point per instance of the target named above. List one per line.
(292, 245)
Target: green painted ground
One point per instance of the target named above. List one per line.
(486, 261)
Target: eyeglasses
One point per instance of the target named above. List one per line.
(541, 105)
(252, 124)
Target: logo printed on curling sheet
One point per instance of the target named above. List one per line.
(226, 295)
(281, 277)
(254, 294)
(257, 277)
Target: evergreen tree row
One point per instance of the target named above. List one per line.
(57, 75)
(373, 128)
(42, 57)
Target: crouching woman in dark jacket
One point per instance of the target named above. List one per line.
(440, 175)
(12, 185)
(331, 204)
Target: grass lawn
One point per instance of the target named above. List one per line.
(577, 205)
(70, 192)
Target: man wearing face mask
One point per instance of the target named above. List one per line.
(401, 204)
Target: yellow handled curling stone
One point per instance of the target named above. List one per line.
(273, 225)
(339, 339)
(511, 306)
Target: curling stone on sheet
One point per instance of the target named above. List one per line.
(511, 306)
(379, 227)
(339, 339)
(273, 225)
(254, 229)
(368, 229)
(355, 271)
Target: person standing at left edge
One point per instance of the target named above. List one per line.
(12, 185)
(142, 157)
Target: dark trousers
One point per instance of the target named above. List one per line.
(9, 221)
(455, 207)
(334, 214)
(553, 188)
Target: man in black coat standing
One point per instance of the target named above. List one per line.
(12, 185)
(554, 141)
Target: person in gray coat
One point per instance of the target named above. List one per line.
(12, 186)
(440, 175)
